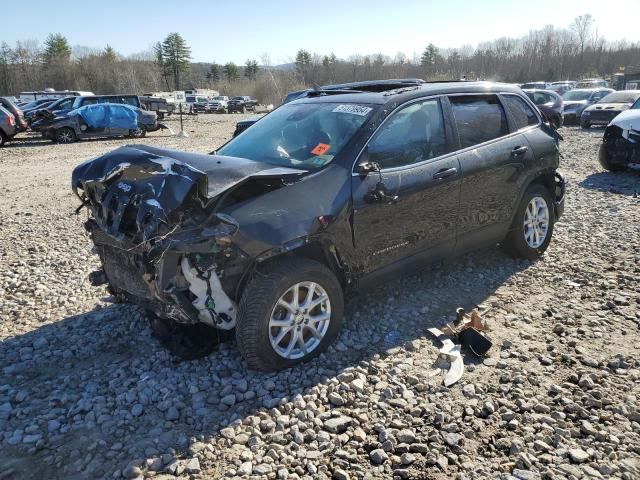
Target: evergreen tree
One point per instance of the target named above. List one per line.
(231, 71)
(56, 49)
(251, 69)
(110, 54)
(176, 56)
(214, 73)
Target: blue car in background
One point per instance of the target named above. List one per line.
(101, 120)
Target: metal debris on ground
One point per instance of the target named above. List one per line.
(469, 334)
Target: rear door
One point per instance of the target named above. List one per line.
(493, 157)
(411, 206)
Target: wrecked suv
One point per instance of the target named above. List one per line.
(323, 195)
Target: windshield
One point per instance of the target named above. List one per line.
(621, 97)
(217, 98)
(306, 135)
(237, 98)
(577, 95)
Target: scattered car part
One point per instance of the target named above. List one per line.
(452, 351)
(475, 341)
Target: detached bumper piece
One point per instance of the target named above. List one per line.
(560, 190)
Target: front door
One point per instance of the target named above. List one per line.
(411, 206)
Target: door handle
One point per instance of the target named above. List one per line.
(445, 173)
(520, 150)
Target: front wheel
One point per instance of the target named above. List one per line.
(585, 124)
(65, 135)
(532, 227)
(289, 314)
(603, 158)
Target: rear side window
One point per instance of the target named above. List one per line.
(413, 134)
(521, 111)
(479, 118)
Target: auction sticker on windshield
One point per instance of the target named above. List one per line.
(353, 109)
(320, 149)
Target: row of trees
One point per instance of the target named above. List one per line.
(547, 54)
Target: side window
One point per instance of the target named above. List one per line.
(413, 134)
(66, 104)
(479, 118)
(89, 101)
(521, 111)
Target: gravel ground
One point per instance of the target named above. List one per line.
(86, 392)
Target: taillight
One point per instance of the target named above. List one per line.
(10, 120)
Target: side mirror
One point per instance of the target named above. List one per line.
(365, 165)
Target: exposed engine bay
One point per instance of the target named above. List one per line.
(157, 227)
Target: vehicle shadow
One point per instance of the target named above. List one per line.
(621, 183)
(111, 389)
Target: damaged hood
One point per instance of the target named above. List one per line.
(142, 186)
(627, 120)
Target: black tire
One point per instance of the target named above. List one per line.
(514, 243)
(3, 139)
(139, 132)
(604, 161)
(585, 124)
(243, 110)
(65, 135)
(259, 300)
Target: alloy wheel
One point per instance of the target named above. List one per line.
(536, 222)
(65, 136)
(300, 320)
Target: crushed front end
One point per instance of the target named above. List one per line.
(160, 239)
(620, 146)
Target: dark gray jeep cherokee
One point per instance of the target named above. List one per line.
(319, 197)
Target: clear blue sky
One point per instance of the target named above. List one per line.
(238, 30)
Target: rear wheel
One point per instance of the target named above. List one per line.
(532, 227)
(289, 314)
(137, 132)
(3, 139)
(65, 135)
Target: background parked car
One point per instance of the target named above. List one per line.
(592, 83)
(535, 86)
(18, 115)
(132, 100)
(242, 104)
(562, 87)
(549, 103)
(195, 103)
(59, 107)
(7, 126)
(620, 147)
(218, 104)
(576, 100)
(605, 110)
(102, 120)
(157, 104)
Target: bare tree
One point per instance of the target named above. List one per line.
(582, 26)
